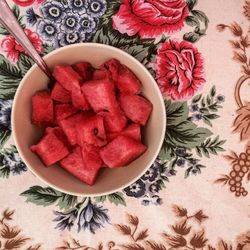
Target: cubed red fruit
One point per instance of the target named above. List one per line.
(59, 133)
(121, 151)
(73, 163)
(91, 131)
(42, 109)
(114, 121)
(84, 69)
(91, 109)
(63, 111)
(100, 94)
(136, 108)
(99, 74)
(79, 100)
(60, 94)
(112, 67)
(132, 130)
(67, 77)
(50, 149)
(68, 125)
(127, 81)
(91, 157)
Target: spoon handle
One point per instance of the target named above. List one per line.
(9, 21)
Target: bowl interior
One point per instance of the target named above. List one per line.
(26, 134)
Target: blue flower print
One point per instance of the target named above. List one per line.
(136, 189)
(65, 220)
(65, 3)
(70, 38)
(92, 217)
(96, 8)
(53, 11)
(31, 16)
(48, 30)
(87, 24)
(5, 114)
(156, 200)
(154, 188)
(150, 174)
(11, 160)
(78, 6)
(70, 23)
(181, 151)
(194, 108)
(220, 98)
(196, 117)
(180, 162)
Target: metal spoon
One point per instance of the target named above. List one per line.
(9, 21)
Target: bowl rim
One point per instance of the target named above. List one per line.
(51, 54)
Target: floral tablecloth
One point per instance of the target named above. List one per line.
(196, 194)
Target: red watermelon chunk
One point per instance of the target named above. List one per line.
(133, 130)
(84, 69)
(91, 157)
(112, 68)
(99, 74)
(91, 131)
(68, 125)
(121, 151)
(114, 121)
(63, 111)
(59, 134)
(127, 81)
(73, 163)
(100, 94)
(136, 108)
(42, 109)
(50, 149)
(60, 94)
(67, 77)
(79, 100)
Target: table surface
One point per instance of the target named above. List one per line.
(195, 196)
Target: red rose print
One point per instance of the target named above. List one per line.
(150, 18)
(13, 49)
(179, 69)
(27, 2)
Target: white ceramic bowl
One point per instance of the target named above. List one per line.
(26, 134)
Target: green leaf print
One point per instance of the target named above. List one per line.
(186, 134)
(196, 19)
(46, 196)
(66, 201)
(176, 112)
(192, 21)
(191, 4)
(10, 77)
(4, 136)
(41, 196)
(101, 198)
(4, 171)
(117, 198)
(210, 146)
(24, 63)
(180, 131)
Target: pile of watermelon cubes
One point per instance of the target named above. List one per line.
(91, 118)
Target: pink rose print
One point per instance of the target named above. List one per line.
(150, 18)
(27, 2)
(179, 69)
(13, 49)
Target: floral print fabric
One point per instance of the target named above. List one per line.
(195, 194)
